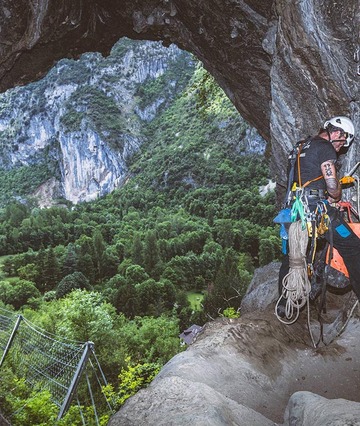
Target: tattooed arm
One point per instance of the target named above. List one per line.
(332, 184)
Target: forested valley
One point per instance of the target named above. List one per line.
(175, 244)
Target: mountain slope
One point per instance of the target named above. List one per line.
(86, 118)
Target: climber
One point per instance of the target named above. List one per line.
(314, 172)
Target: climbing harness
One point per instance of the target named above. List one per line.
(304, 225)
(307, 278)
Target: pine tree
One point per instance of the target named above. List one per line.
(70, 261)
(151, 252)
(99, 249)
(51, 272)
(137, 250)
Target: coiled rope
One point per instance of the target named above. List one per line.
(296, 284)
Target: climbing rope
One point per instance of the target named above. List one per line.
(296, 284)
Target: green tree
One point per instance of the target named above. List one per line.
(18, 293)
(151, 252)
(228, 289)
(99, 249)
(267, 251)
(153, 340)
(137, 250)
(136, 274)
(70, 261)
(132, 378)
(86, 317)
(76, 280)
(51, 272)
(123, 295)
(28, 272)
(85, 265)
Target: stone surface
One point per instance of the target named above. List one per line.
(196, 404)
(285, 64)
(308, 409)
(255, 362)
(243, 371)
(263, 289)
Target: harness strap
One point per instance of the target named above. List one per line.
(298, 169)
(312, 180)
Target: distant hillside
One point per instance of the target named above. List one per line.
(71, 136)
(159, 223)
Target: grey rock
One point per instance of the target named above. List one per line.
(181, 402)
(308, 409)
(262, 290)
(89, 162)
(286, 64)
(255, 362)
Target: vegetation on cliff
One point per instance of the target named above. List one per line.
(189, 218)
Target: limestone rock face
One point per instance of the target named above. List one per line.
(286, 65)
(308, 409)
(255, 371)
(48, 121)
(248, 367)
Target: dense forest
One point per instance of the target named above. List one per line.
(175, 245)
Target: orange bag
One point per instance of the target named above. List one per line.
(337, 261)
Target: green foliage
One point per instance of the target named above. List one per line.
(195, 299)
(151, 339)
(71, 120)
(35, 410)
(35, 407)
(268, 250)
(132, 378)
(99, 110)
(86, 317)
(71, 282)
(167, 85)
(231, 313)
(18, 293)
(21, 181)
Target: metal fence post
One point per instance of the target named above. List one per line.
(75, 381)
(11, 338)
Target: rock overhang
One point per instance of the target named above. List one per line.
(286, 65)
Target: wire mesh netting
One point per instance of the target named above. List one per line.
(47, 363)
(7, 324)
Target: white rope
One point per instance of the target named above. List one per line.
(296, 284)
(348, 319)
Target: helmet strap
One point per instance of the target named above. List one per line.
(333, 140)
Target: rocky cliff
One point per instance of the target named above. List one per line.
(74, 132)
(86, 117)
(285, 64)
(257, 371)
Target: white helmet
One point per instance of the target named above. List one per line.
(343, 123)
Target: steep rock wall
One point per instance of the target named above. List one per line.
(85, 118)
(285, 64)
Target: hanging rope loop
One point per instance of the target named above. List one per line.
(296, 284)
(297, 262)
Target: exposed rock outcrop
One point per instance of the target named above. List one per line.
(243, 371)
(286, 65)
(85, 119)
(308, 409)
